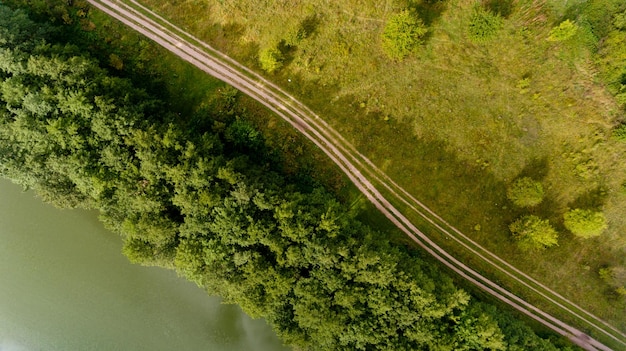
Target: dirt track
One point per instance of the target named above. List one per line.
(353, 164)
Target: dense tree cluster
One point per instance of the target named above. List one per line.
(189, 196)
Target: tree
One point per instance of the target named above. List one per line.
(585, 223)
(525, 192)
(271, 59)
(484, 24)
(532, 232)
(402, 34)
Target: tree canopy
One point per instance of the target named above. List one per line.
(532, 232)
(484, 24)
(563, 31)
(585, 223)
(402, 34)
(525, 192)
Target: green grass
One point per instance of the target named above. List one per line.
(455, 122)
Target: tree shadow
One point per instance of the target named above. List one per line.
(536, 169)
(308, 26)
(592, 199)
(550, 209)
(429, 10)
(289, 46)
(504, 8)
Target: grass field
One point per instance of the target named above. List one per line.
(454, 123)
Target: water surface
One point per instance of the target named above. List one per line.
(65, 286)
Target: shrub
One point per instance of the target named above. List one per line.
(585, 223)
(532, 232)
(271, 59)
(525, 192)
(563, 31)
(619, 133)
(483, 25)
(615, 277)
(402, 34)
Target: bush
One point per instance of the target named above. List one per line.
(532, 232)
(619, 133)
(483, 25)
(271, 59)
(525, 192)
(563, 31)
(402, 34)
(615, 277)
(585, 223)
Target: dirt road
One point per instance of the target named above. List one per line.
(362, 172)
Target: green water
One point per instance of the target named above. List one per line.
(65, 286)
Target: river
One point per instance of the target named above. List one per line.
(64, 285)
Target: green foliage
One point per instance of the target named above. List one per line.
(403, 33)
(614, 277)
(563, 31)
(271, 59)
(243, 134)
(483, 25)
(585, 223)
(532, 232)
(619, 21)
(612, 57)
(600, 15)
(525, 192)
(209, 205)
(619, 133)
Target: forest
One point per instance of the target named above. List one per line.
(205, 193)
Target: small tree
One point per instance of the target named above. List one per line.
(532, 232)
(271, 59)
(525, 192)
(563, 31)
(402, 34)
(585, 223)
(483, 25)
(615, 277)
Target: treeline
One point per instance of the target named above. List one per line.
(200, 195)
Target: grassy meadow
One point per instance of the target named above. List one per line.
(456, 121)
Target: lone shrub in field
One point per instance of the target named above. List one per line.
(402, 34)
(532, 232)
(585, 223)
(525, 192)
(615, 277)
(271, 59)
(563, 31)
(484, 25)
